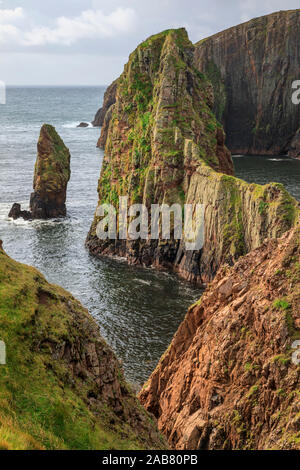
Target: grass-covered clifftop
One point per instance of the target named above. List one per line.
(62, 387)
(238, 217)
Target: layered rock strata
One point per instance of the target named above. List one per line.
(252, 67)
(230, 378)
(165, 146)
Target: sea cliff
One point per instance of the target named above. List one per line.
(62, 386)
(165, 146)
(230, 378)
(252, 67)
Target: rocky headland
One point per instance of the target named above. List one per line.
(165, 146)
(230, 378)
(51, 177)
(62, 387)
(256, 111)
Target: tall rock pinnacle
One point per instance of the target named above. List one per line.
(51, 176)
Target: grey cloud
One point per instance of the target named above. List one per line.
(104, 37)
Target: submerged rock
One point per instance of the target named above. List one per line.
(51, 176)
(230, 378)
(83, 124)
(62, 386)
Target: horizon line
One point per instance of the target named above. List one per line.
(52, 85)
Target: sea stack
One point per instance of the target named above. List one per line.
(51, 176)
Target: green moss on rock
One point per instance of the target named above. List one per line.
(61, 387)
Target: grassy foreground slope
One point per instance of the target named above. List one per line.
(62, 387)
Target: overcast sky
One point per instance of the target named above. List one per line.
(87, 42)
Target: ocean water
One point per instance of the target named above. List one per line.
(266, 169)
(138, 309)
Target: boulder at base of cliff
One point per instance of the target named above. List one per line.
(62, 386)
(231, 377)
(51, 176)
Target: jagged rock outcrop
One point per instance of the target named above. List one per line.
(230, 378)
(16, 212)
(108, 101)
(252, 67)
(51, 177)
(62, 386)
(164, 145)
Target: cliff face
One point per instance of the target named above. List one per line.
(238, 218)
(230, 378)
(252, 67)
(62, 387)
(162, 103)
(164, 146)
